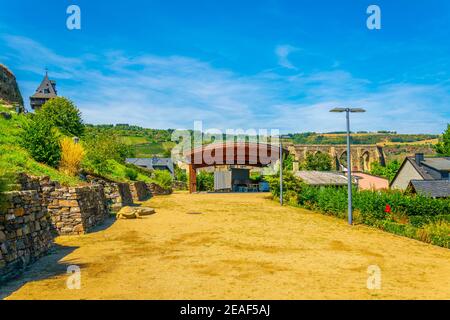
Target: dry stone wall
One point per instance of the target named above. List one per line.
(140, 191)
(158, 190)
(77, 210)
(117, 194)
(34, 216)
(25, 232)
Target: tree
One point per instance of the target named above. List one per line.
(42, 142)
(443, 147)
(317, 162)
(388, 171)
(102, 146)
(63, 114)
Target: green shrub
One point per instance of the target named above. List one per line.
(416, 217)
(290, 183)
(389, 171)
(63, 114)
(180, 174)
(439, 233)
(317, 162)
(42, 142)
(131, 174)
(162, 178)
(205, 181)
(101, 147)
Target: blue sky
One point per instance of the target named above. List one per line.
(238, 64)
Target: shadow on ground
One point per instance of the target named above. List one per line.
(49, 265)
(46, 267)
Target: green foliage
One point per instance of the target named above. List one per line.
(15, 159)
(180, 174)
(256, 177)
(388, 172)
(101, 147)
(145, 143)
(162, 178)
(205, 181)
(131, 174)
(63, 114)
(5, 181)
(42, 142)
(443, 147)
(317, 162)
(365, 138)
(291, 184)
(417, 217)
(288, 162)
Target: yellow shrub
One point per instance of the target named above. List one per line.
(71, 155)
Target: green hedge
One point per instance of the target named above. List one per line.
(413, 216)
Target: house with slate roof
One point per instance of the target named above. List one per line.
(424, 175)
(153, 163)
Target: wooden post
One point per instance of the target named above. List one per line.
(192, 179)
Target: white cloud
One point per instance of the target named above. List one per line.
(174, 91)
(283, 52)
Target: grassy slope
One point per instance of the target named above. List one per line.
(14, 159)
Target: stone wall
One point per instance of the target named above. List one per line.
(25, 232)
(72, 210)
(117, 194)
(77, 210)
(9, 90)
(140, 191)
(157, 190)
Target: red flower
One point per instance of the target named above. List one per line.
(387, 209)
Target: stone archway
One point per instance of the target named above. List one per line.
(343, 159)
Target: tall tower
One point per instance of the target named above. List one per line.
(45, 91)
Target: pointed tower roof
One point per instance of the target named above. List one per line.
(47, 89)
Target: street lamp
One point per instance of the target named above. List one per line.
(281, 169)
(349, 163)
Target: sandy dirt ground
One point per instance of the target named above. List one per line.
(236, 246)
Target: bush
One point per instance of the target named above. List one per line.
(388, 171)
(63, 114)
(71, 156)
(131, 174)
(417, 217)
(205, 181)
(42, 142)
(290, 183)
(317, 162)
(163, 178)
(180, 174)
(100, 148)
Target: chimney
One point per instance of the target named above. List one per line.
(419, 158)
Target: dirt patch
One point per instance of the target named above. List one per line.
(245, 247)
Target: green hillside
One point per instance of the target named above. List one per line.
(14, 159)
(145, 143)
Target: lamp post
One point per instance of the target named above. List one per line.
(281, 169)
(281, 173)
(349, 162)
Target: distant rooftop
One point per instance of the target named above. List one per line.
(441, 164)
(432, 188)
(322, 178)
(151, 163)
